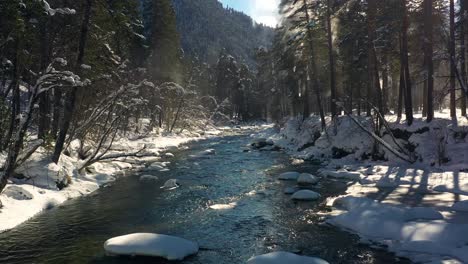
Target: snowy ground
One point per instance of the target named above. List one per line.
(38, 190)
(419, 210)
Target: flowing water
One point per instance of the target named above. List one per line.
(262, 222)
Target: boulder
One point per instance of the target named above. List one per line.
(289, 176)
(307, 179)
(305, 195)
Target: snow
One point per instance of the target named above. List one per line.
(420, 210)
(41, 177)
(305, 195)
(168, 155)
(307, 178)
(223, 206)
(461, 206)
(289, 176)
(281, 257)
(152, 245)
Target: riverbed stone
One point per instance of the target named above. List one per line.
(289, 176)
(307, 179)
(305, 195)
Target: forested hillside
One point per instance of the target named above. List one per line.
(206, 28)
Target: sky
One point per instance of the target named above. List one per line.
(262, 11)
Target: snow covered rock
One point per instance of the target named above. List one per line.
(170, 184)
(306, 179)
(149, 178)
(290, 190)
(208, 152)
(460, 206)
(168, 155)
(223, 206)
(151, 245)
(289, 176)
(305, 195)
(17, 193)
(281, 257)
(261, 143)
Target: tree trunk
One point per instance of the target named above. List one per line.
(44, 102)
(428, 58)
(385, 86)
(405, 66)
(71, 98)
(463, 9)
(313, 68)
(453, 99)
(331, 60)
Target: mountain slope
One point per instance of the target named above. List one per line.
(206, 28)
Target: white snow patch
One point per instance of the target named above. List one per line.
(281, 257)
(223, 206)
(152, 245)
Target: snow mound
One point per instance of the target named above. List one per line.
(281, 257)
(223, 206)
(289, 176)
(460, 206)
(305, 195)
(306, 178)
(17, 193)
(149, 178)
(152, 245)
(170, 184)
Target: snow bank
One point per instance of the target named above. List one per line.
(283, 258)
(422, 207)
(397, 228)
(43, 185)
(152, 245)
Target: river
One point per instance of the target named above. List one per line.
(263, 222)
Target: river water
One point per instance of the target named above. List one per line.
(262, 222)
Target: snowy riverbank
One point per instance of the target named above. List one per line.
(39, 183)
(419, 210)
